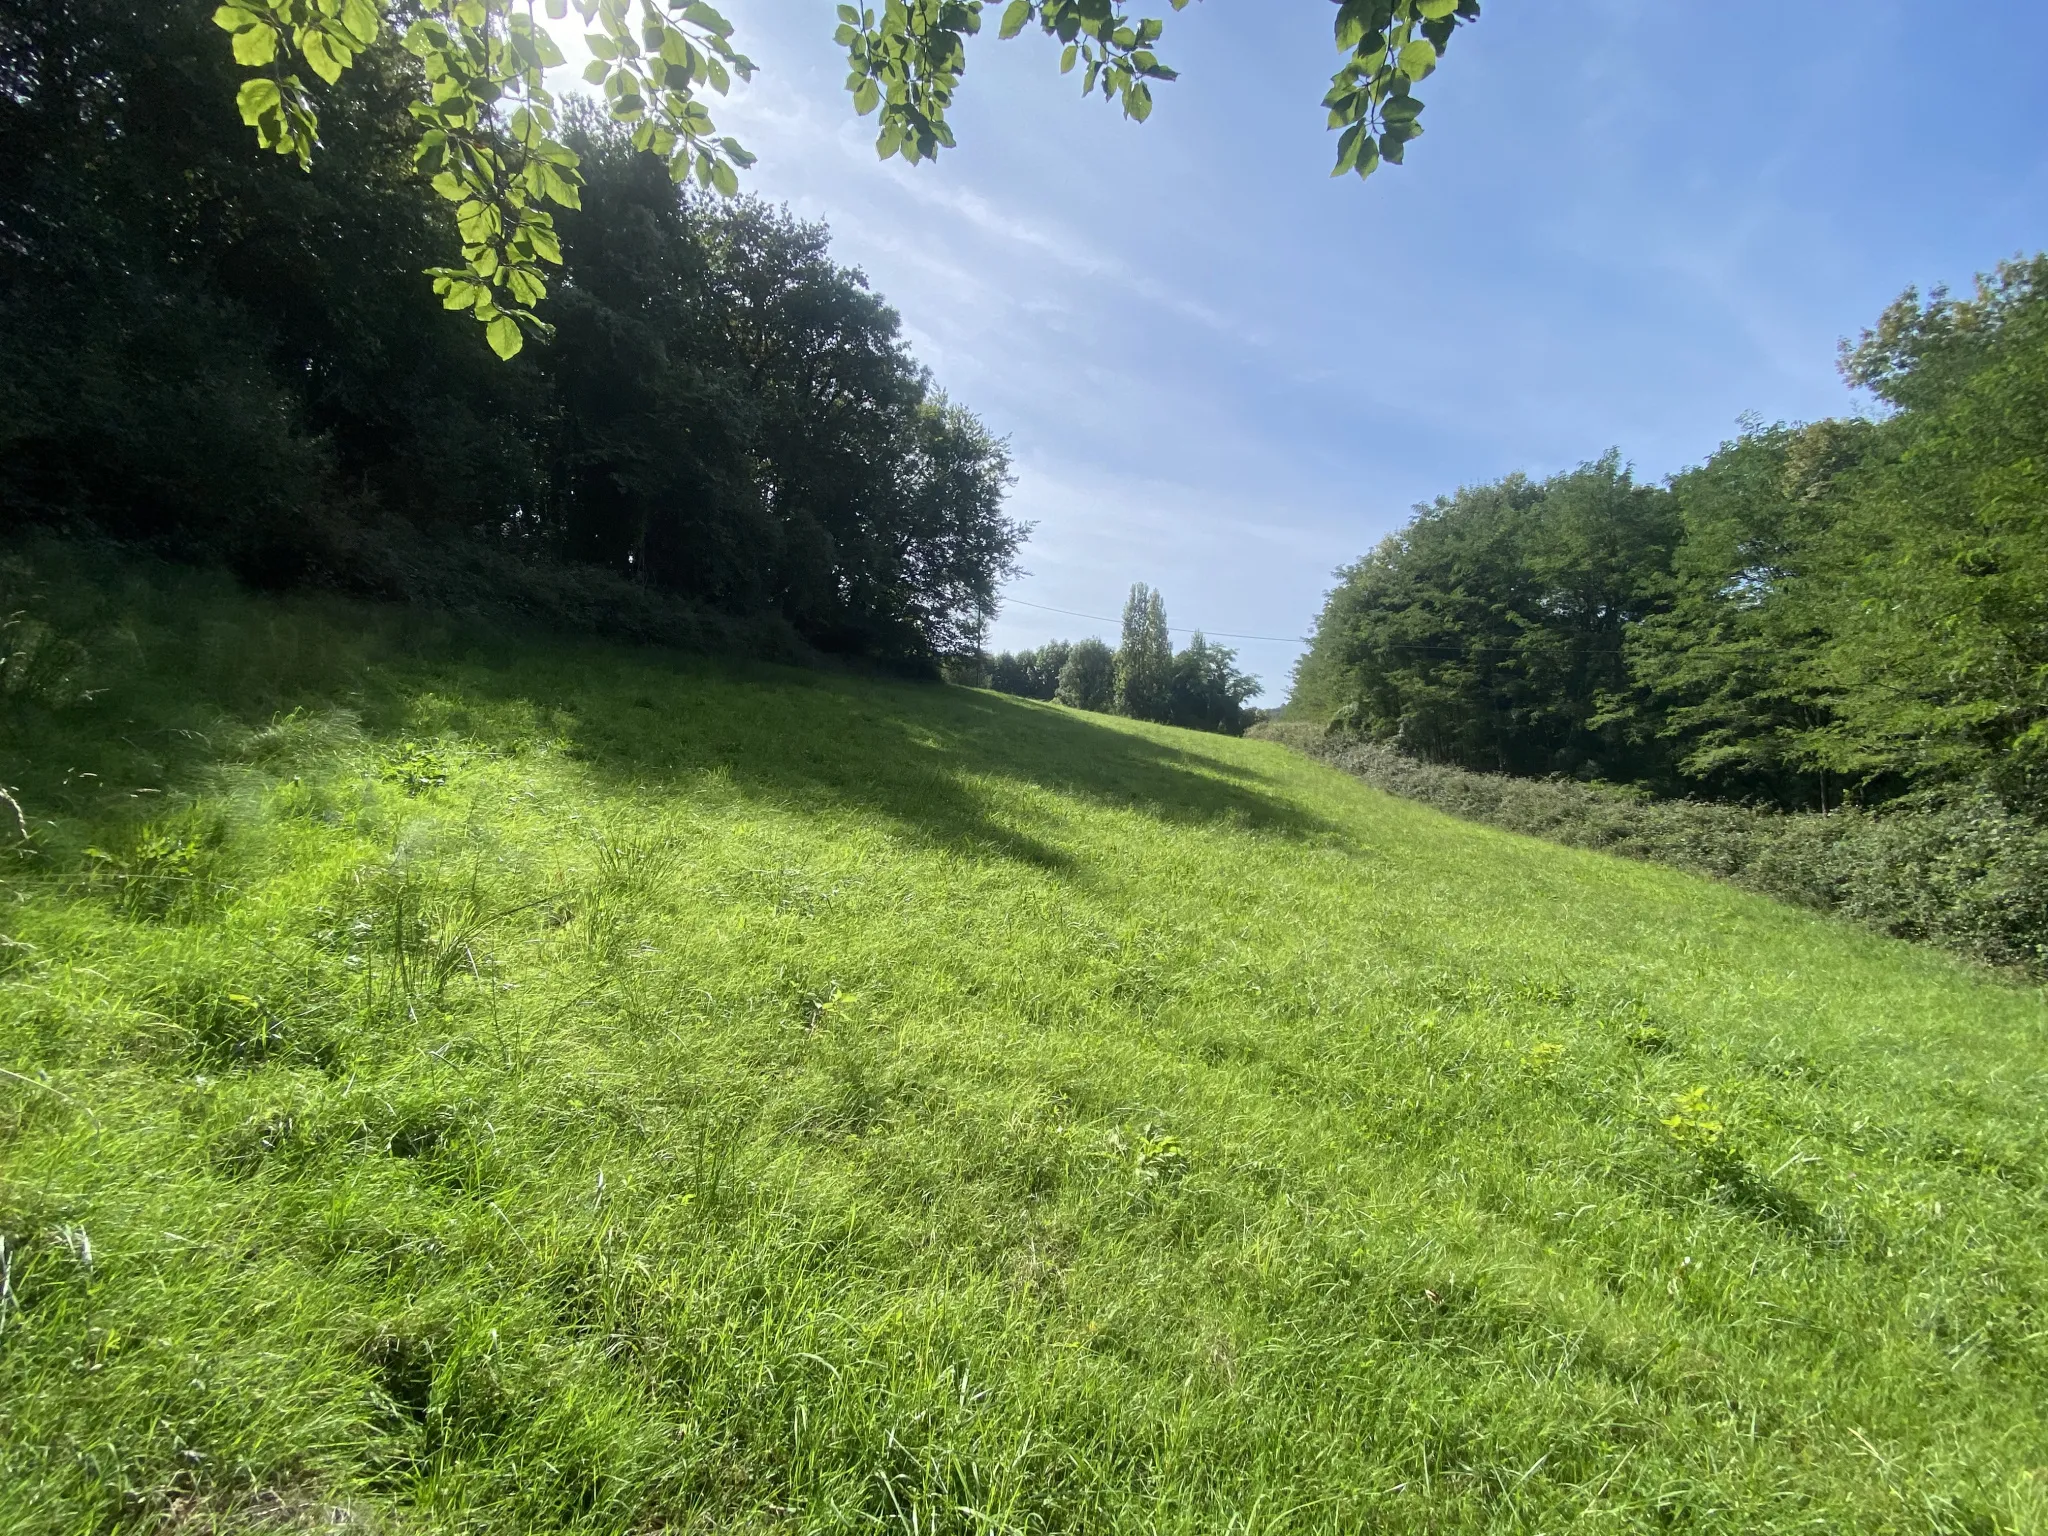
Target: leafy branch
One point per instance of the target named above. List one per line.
(488, 123)
(908, 60)
(1394, 45)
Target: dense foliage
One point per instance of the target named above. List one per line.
(1144, 659)
(1962, 870)
(1855, 609)
(1030, 674)
(1489, 631)
(1199, 687)
(1088, 677)
(207, 348)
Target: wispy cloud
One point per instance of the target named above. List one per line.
(1225, 374)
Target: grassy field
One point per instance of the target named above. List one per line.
(464, 1085)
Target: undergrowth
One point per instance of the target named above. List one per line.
(1955, 868)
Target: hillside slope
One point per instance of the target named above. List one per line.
(459, 1084)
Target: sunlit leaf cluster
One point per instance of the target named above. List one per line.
(1113, 53)
(487, 142)
(907, 60)
(488, 122)
(650, 73)
(269, 36)
(1393, 45)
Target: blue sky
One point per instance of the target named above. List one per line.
(1225, 374)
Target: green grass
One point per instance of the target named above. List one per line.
(466, 1085)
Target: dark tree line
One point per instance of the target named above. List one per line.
(1852, 609)
(205, 348)
(1199, 687)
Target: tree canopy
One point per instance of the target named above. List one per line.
(488, 131)
(1199, 687)
(207, 351)
(1855, 606)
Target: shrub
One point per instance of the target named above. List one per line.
(1030, 674)
(1957, 868)
(1088, 680)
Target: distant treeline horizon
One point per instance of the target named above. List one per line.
(1144, 678)
(1852, 610)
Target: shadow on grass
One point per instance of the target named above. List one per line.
(194, 664)
(906, 752)
(1728, 1178)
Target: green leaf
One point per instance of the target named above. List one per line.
(1417, 59)
(360, 18)
(1347, 149)
(549, 54)
(865, 97)
(255, 47)
(1350, 25)
(558, 187)
(527, 286)
(503, 335)
(723, 178)
(699, 14)
(1014, 19)
(257, 97)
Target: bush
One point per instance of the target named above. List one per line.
(1088, 680)
(1030, 674)
(1956, 868)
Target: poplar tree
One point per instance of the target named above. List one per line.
(1144, 661)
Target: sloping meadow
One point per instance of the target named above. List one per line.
(454, 1082)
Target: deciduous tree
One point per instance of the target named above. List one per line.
(1144, 658)
(1088, 680)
